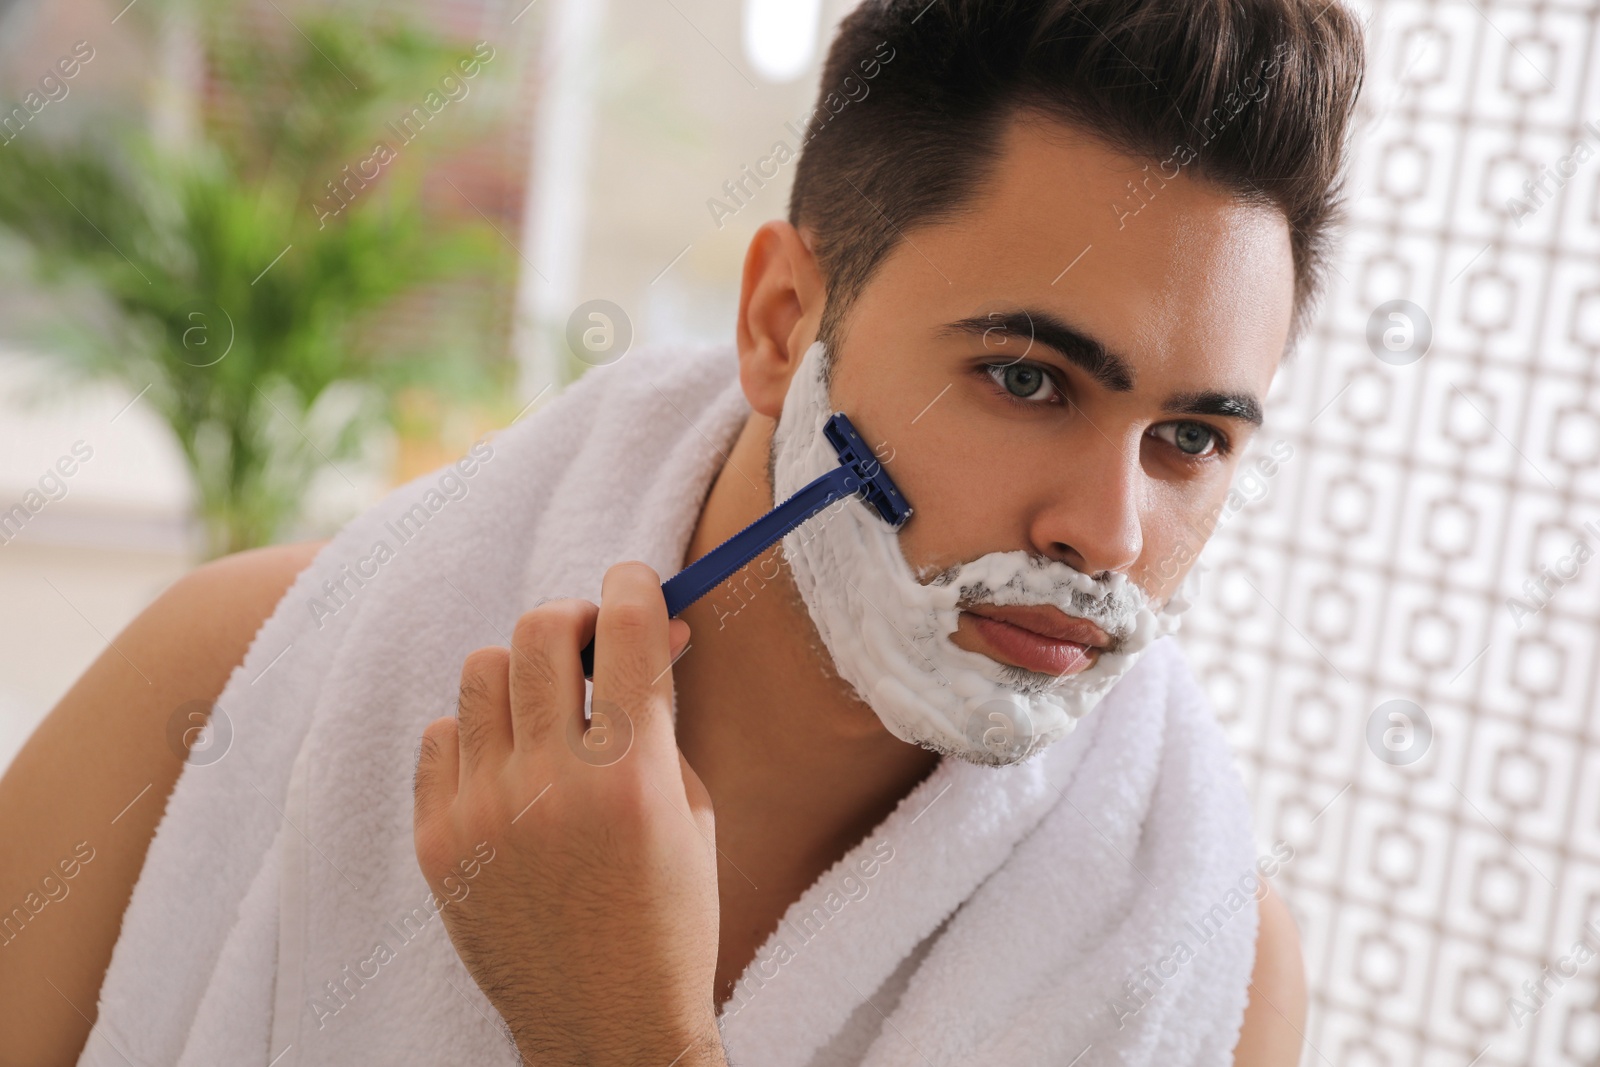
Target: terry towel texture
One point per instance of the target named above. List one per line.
(1084, 904)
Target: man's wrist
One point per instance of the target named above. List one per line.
(702, 1048)
(703, 1051)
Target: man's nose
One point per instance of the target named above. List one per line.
(1093, 519)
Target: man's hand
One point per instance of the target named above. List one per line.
(592, 926)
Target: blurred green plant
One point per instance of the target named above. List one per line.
(213, 277)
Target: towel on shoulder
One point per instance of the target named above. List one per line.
(1092, 905)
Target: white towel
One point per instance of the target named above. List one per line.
(1026, 915)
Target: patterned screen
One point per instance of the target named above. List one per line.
(1398, 617)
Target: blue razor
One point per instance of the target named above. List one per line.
(858, 472)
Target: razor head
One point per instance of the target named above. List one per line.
(875, 485)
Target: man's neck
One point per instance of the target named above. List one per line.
(798, 768)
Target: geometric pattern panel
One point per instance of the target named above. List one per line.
(1400, 626)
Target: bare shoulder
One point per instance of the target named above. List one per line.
(87, 791)
(242, 589)
(200, 628)
(1275, 1019)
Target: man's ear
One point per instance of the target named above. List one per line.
(780, 309)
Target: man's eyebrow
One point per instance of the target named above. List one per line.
(1228, 405)
(1072, 344)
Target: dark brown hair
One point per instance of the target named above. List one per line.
(1254, 96)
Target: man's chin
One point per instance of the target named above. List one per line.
(1031, 683)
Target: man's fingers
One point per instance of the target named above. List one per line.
(437, 774)
(546, 673)
(632, 653)
(695, 792)
(483, 710)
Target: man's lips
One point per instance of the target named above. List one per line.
(1039, 638)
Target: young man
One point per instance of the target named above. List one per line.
(1048, 263)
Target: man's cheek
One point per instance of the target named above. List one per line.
(1173, 562)
(1173, 549)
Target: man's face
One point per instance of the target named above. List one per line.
(1052, 373)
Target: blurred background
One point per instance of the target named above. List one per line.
(375, 223)
(383, 307)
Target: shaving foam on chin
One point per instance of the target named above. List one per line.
(888, 633)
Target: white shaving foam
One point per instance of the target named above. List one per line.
(888, 632)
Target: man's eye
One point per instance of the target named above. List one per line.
(1027, 382)
(1191, 438)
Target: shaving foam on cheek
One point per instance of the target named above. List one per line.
(888, 632)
